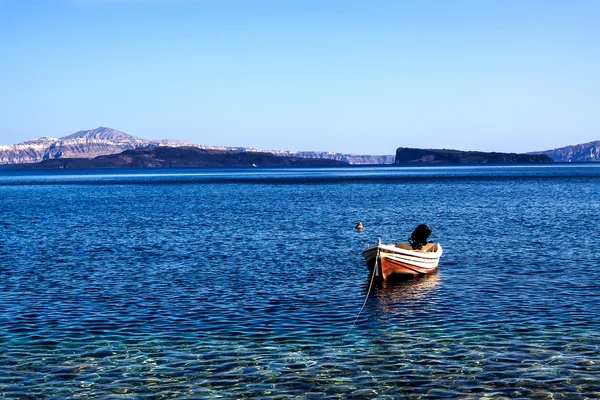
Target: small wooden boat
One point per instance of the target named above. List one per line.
(401, 259)
(404, 259)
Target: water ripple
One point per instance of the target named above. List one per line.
(244, 285)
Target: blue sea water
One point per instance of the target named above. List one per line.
(231, 284)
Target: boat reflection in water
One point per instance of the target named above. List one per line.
(405, 296)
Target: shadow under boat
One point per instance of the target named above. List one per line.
(403, 287)
(403, 295)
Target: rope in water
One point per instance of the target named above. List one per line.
(361, 310)
(366, 297)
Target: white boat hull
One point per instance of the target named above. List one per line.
(402, 260)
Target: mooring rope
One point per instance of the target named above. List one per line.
(361, 310)
(366, 298)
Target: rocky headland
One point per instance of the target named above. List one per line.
(406, 155)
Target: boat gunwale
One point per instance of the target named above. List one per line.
(412, 253)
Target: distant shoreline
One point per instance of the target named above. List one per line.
(28, 167)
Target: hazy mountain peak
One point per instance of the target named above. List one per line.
(102, 133)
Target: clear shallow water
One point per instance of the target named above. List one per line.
(243, 283)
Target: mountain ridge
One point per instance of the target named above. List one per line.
(81, 144)
(102, 133)
(105, 141)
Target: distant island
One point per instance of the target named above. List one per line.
(104, 141)
(93, 148)
(423, 156)
(180, 157)
(189, 156)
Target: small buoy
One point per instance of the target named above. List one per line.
(359, 226)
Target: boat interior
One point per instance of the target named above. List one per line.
(429, 247)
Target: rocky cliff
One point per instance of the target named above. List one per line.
(431, 156)
(584, 152)
(352, 159)
(82, 144)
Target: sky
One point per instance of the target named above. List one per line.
(347, 76)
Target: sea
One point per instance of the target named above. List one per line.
(250, 283)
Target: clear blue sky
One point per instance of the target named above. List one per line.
(336, 75)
